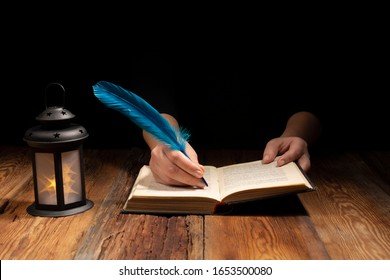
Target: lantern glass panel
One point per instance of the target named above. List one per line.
(71, 175)
(46, 181)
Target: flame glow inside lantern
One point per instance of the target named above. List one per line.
(57, 161)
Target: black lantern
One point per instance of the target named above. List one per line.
(57, 161)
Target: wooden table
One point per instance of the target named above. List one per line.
(348, 217)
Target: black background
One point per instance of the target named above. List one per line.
(346, 68)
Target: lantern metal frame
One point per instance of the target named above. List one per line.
(56, 140)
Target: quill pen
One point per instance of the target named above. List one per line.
(142, 114)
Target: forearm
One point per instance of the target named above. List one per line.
(304, 125)
(150, 140)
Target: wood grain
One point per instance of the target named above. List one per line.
(270, 237)
(29, 237)
(115, 235)
(350, 209)
(348, 217)
(15, 172)
(379, 162)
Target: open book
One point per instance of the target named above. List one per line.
(226, 185)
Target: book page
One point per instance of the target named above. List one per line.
(146, 186)
(255, 174)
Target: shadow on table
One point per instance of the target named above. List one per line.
(276, 206)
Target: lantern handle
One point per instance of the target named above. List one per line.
(63, 93)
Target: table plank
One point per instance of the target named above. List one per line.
(145, 237)
(350, 209)
(279, 227)
(15, 172)
(115, 235)
(276, 228)
(348, 217)
(29, 237)
(379, 162)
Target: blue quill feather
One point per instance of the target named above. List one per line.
(142, 114)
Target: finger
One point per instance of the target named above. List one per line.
(185, 164)
(270, 151)
(304, 162)
(292, 154)
(173, 175)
